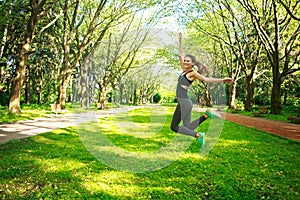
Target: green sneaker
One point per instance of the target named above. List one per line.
(212, 114)
(201, 140)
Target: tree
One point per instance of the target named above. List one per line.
(121, 55)
(124, 49)
(4, 55)
(148, 81)
(73, 25)
(291, 7)
(215, 37)
(37, 11)
(85, 25)
(244, 45)
(279, 34)
(44, 65)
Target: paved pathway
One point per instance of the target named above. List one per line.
(22, 129)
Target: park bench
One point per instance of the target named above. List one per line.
(262, 110)
(295, 119)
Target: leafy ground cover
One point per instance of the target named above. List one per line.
(244, 163)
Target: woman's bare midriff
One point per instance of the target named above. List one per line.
(184, 86)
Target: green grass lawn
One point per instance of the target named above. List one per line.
(28, 113)
(66, 163)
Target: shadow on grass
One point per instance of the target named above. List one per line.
(244, 164)
(46, 166)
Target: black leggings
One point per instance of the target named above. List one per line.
(183, 113)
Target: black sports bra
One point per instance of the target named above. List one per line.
(184, 75)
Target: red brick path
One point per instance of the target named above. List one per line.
(283, 129)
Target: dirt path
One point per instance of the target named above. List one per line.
(283, 129)
(22, 129)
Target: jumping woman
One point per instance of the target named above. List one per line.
(184, 107)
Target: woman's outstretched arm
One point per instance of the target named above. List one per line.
(198, 76)
(180, 51)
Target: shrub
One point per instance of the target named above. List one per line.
(156, 98)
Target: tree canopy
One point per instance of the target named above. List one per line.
(97, 51)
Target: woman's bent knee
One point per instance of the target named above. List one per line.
(174, 128)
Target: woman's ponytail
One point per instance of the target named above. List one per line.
(201, 67)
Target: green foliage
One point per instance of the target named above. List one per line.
(291, 90)
(293, 101)
(239, 104)
(244, 164)
(156, 98)
(4, 98)
(262, 100)
(167, 96)
(219, 33)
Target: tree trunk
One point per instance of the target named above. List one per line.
(285, 95)
(84, 90)
(84, 68)
(135, 99)
(27, 86)
(4, 36)
(127, 96)
(121, 93)
(14, 101)
(40, 75)
(66, 70)
(102, 98)
(62, 95)
(275, 97)
(232, 96)
(40, 89)
(207, 98)
(276, 106)
(249, 93)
